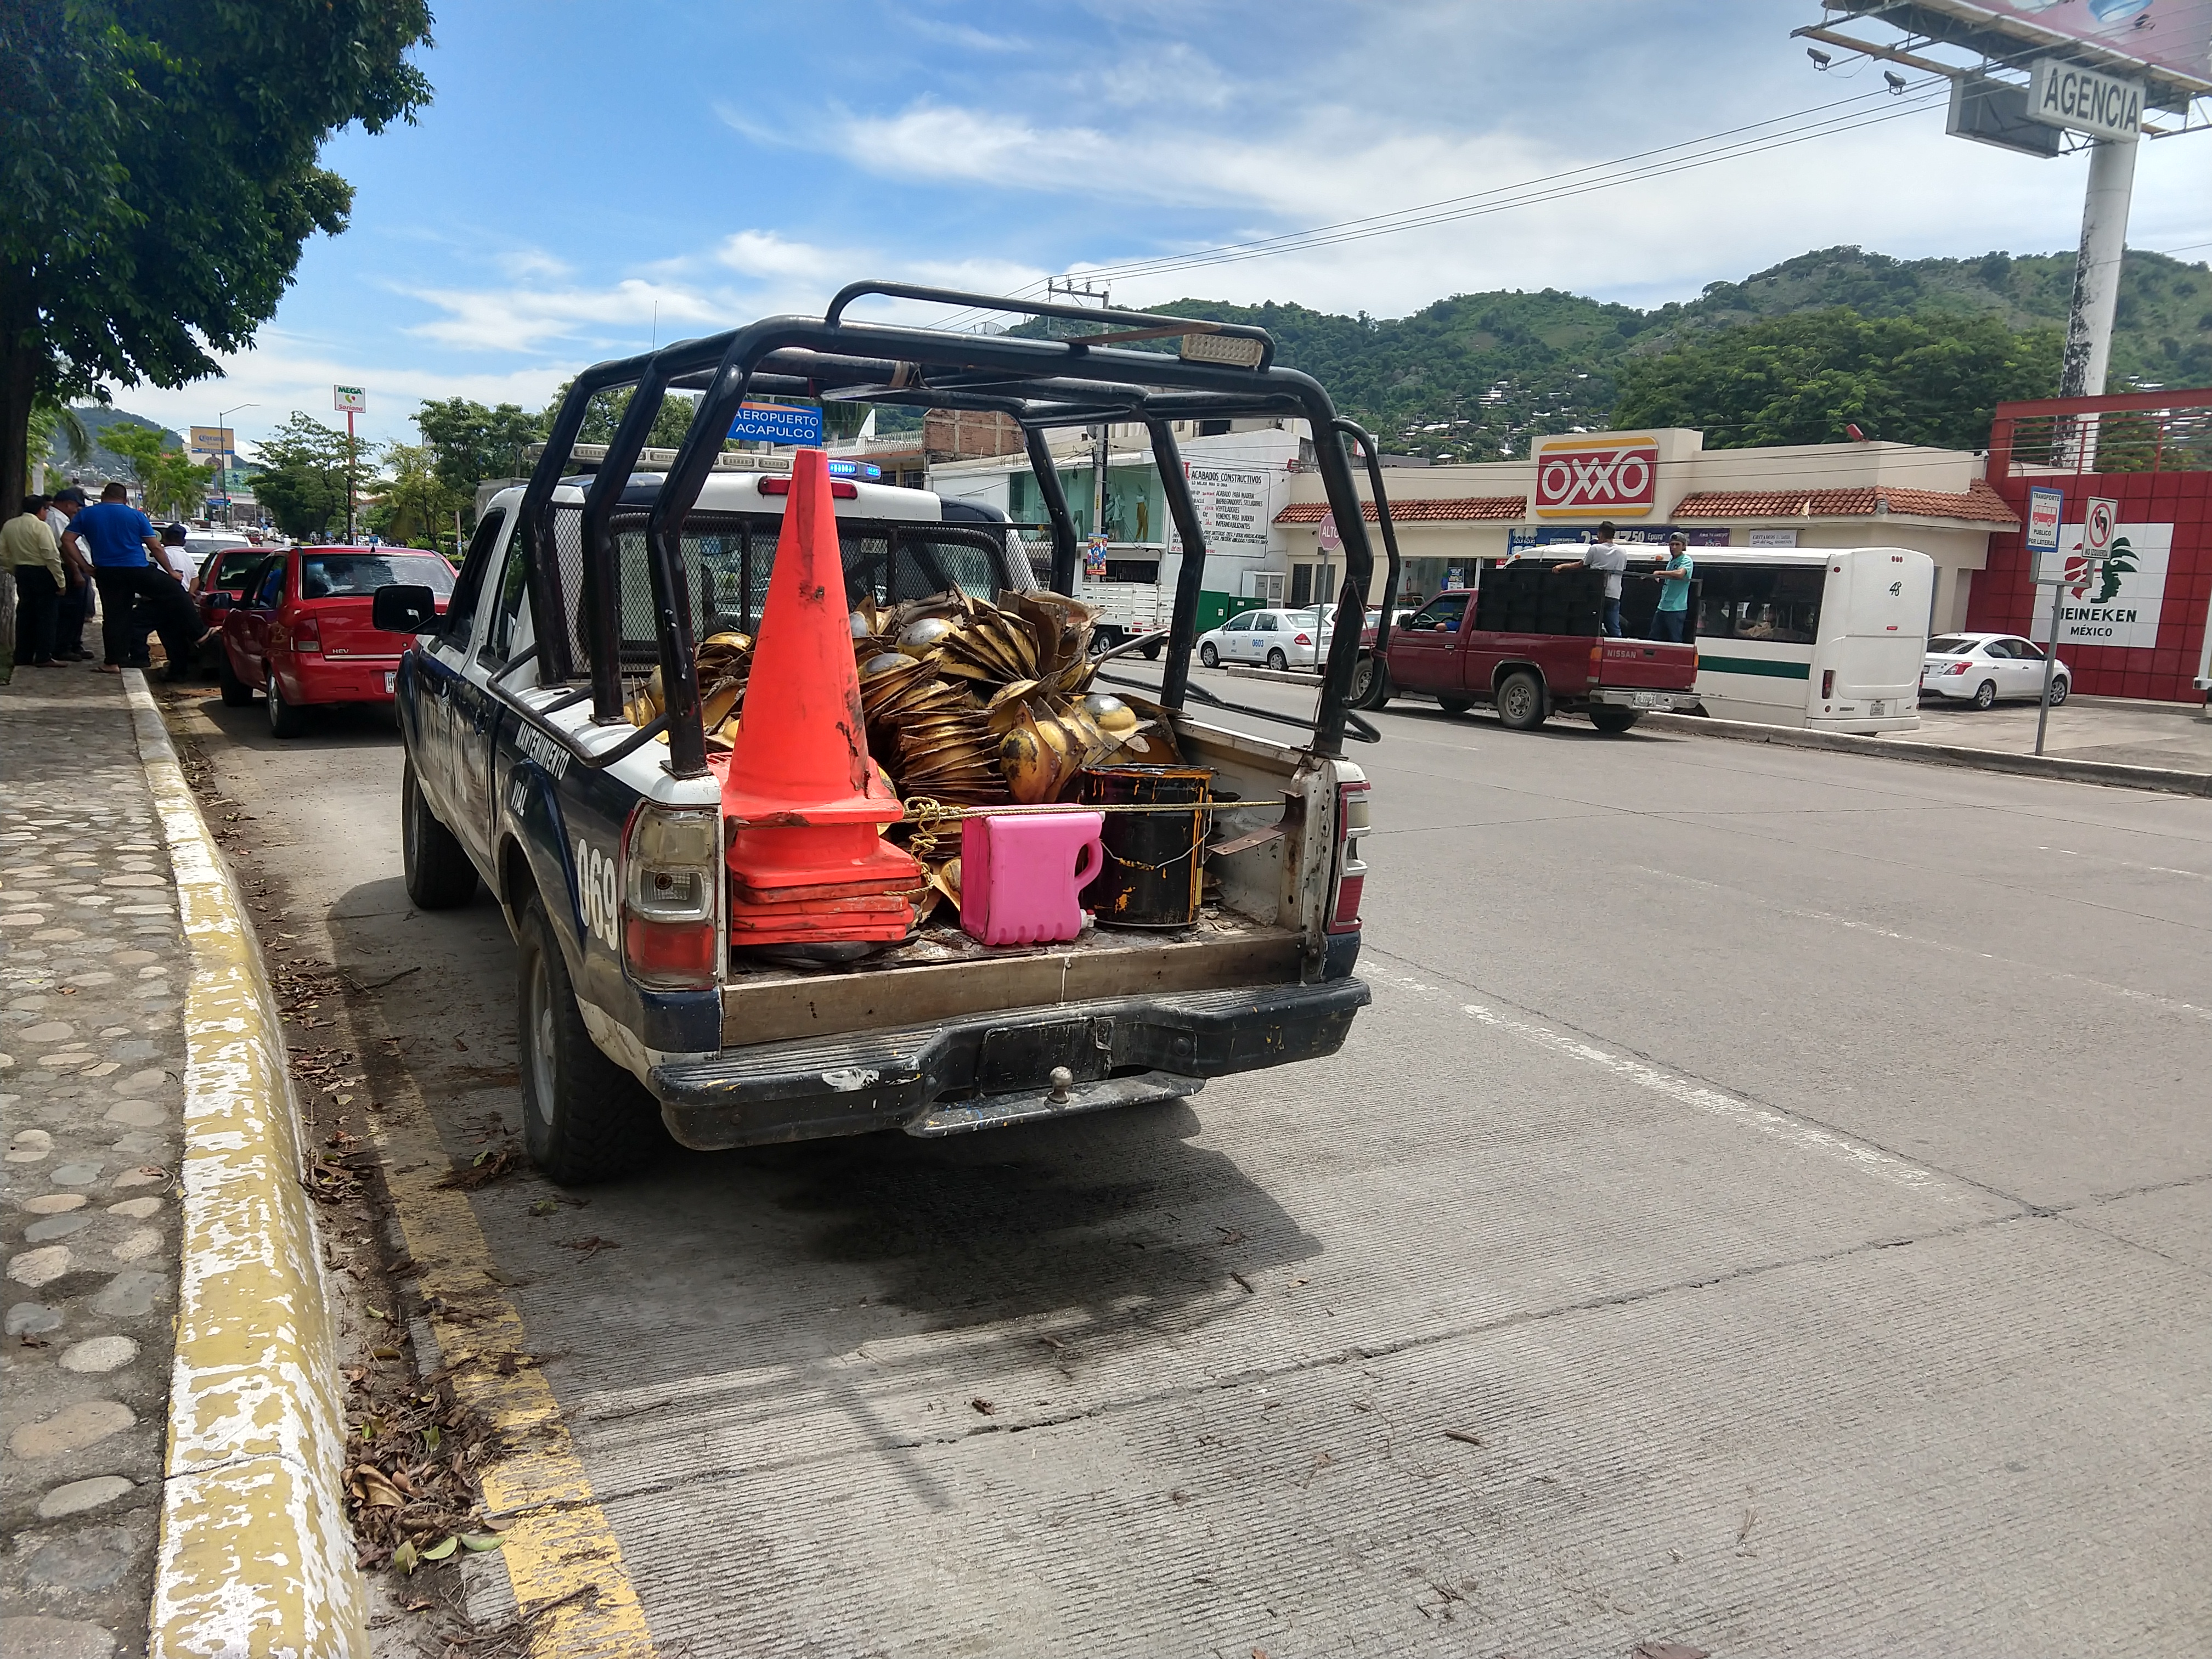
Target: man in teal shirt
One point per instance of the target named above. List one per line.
(1674, 590)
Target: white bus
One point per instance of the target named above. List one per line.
(1830, 638)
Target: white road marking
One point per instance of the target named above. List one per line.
(1793, 1131)
(2126, 863)
(2169, 1003)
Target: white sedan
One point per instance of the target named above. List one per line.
(1274, 639)
(1980, 668)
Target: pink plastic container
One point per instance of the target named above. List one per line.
(1022, 874)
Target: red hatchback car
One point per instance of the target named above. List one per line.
(299, 631)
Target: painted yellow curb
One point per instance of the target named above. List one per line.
(256, 1558)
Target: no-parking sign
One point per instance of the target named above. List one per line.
(2100, 519)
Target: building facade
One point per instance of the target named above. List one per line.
(2140, 626)
(1651, 484)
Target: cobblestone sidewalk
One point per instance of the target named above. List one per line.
(93, 967)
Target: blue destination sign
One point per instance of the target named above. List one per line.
(777, 423)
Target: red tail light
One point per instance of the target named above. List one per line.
(1827, 681)
(1958, 668)
(843, 489)
(1302, 639)
(306, 633)
(1351, 824)
(671, 882)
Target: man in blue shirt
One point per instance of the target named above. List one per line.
(135, 592)
(1674, 590)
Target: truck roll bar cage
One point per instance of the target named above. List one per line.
(1039, 383)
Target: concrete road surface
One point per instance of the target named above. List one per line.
(1766, 1209)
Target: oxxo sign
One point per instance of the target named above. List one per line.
(1577, 479)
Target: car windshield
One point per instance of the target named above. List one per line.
(334, 575)
(1945, 645)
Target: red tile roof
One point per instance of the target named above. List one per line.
(1456, 508)
(1979, 504)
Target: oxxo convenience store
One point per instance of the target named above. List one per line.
(2140, 628)
(1650, 484)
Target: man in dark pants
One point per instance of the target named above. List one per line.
(118, 538)
(27, 550)
(77, 578)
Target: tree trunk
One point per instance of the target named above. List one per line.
(19, 378)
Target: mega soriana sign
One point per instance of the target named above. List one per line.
(1615, 478)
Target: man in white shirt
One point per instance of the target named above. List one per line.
(1605, 554)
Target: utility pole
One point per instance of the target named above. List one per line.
(2097, 283)
(1073, 291)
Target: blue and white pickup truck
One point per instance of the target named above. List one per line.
(602, 842)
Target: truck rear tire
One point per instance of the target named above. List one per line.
(437, 869)
(1520, 700)
(1609, 717)
(1370, 684)
(1150, 653)
(584, 1118)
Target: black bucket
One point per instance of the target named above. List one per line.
(1154, 867)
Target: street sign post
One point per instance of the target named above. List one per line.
(2100, 522)
(354, 400)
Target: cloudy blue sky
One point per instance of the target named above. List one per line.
(591, 174)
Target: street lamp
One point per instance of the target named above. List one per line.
(224, 454)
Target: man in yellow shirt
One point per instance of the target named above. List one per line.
(27, 549)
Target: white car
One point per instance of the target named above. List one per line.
(1274, 639)
(1980, 668)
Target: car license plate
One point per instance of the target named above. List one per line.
(388, 680)
(1649, 700)
(1877, 708)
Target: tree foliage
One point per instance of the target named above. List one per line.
(303, 480)
(417, 506)
(159, 161)
(469, 442)
(1925, 379)
(174, 484)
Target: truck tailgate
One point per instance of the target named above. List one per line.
(1646, 665)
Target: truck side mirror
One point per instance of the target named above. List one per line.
(403, 608)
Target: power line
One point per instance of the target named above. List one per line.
(1450, 208)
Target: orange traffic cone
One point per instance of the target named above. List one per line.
(801, 792)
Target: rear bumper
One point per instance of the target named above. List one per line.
(985, 1070)
(341, 679)
(1633, 696)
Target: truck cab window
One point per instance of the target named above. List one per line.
(461, 610)
(508, 610)
(1440, 616)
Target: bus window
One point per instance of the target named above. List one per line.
(1778, 602)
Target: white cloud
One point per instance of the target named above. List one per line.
(524, 319)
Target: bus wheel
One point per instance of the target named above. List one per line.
(1985, 695)
(1607, 718)
(1520, 700)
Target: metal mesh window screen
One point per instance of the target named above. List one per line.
(726, 563)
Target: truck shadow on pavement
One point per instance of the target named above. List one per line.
(735, 1276)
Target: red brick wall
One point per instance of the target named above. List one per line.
(2005, 594)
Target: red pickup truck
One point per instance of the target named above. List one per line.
(1531, 675)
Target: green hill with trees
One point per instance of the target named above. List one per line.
(1471, 377)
